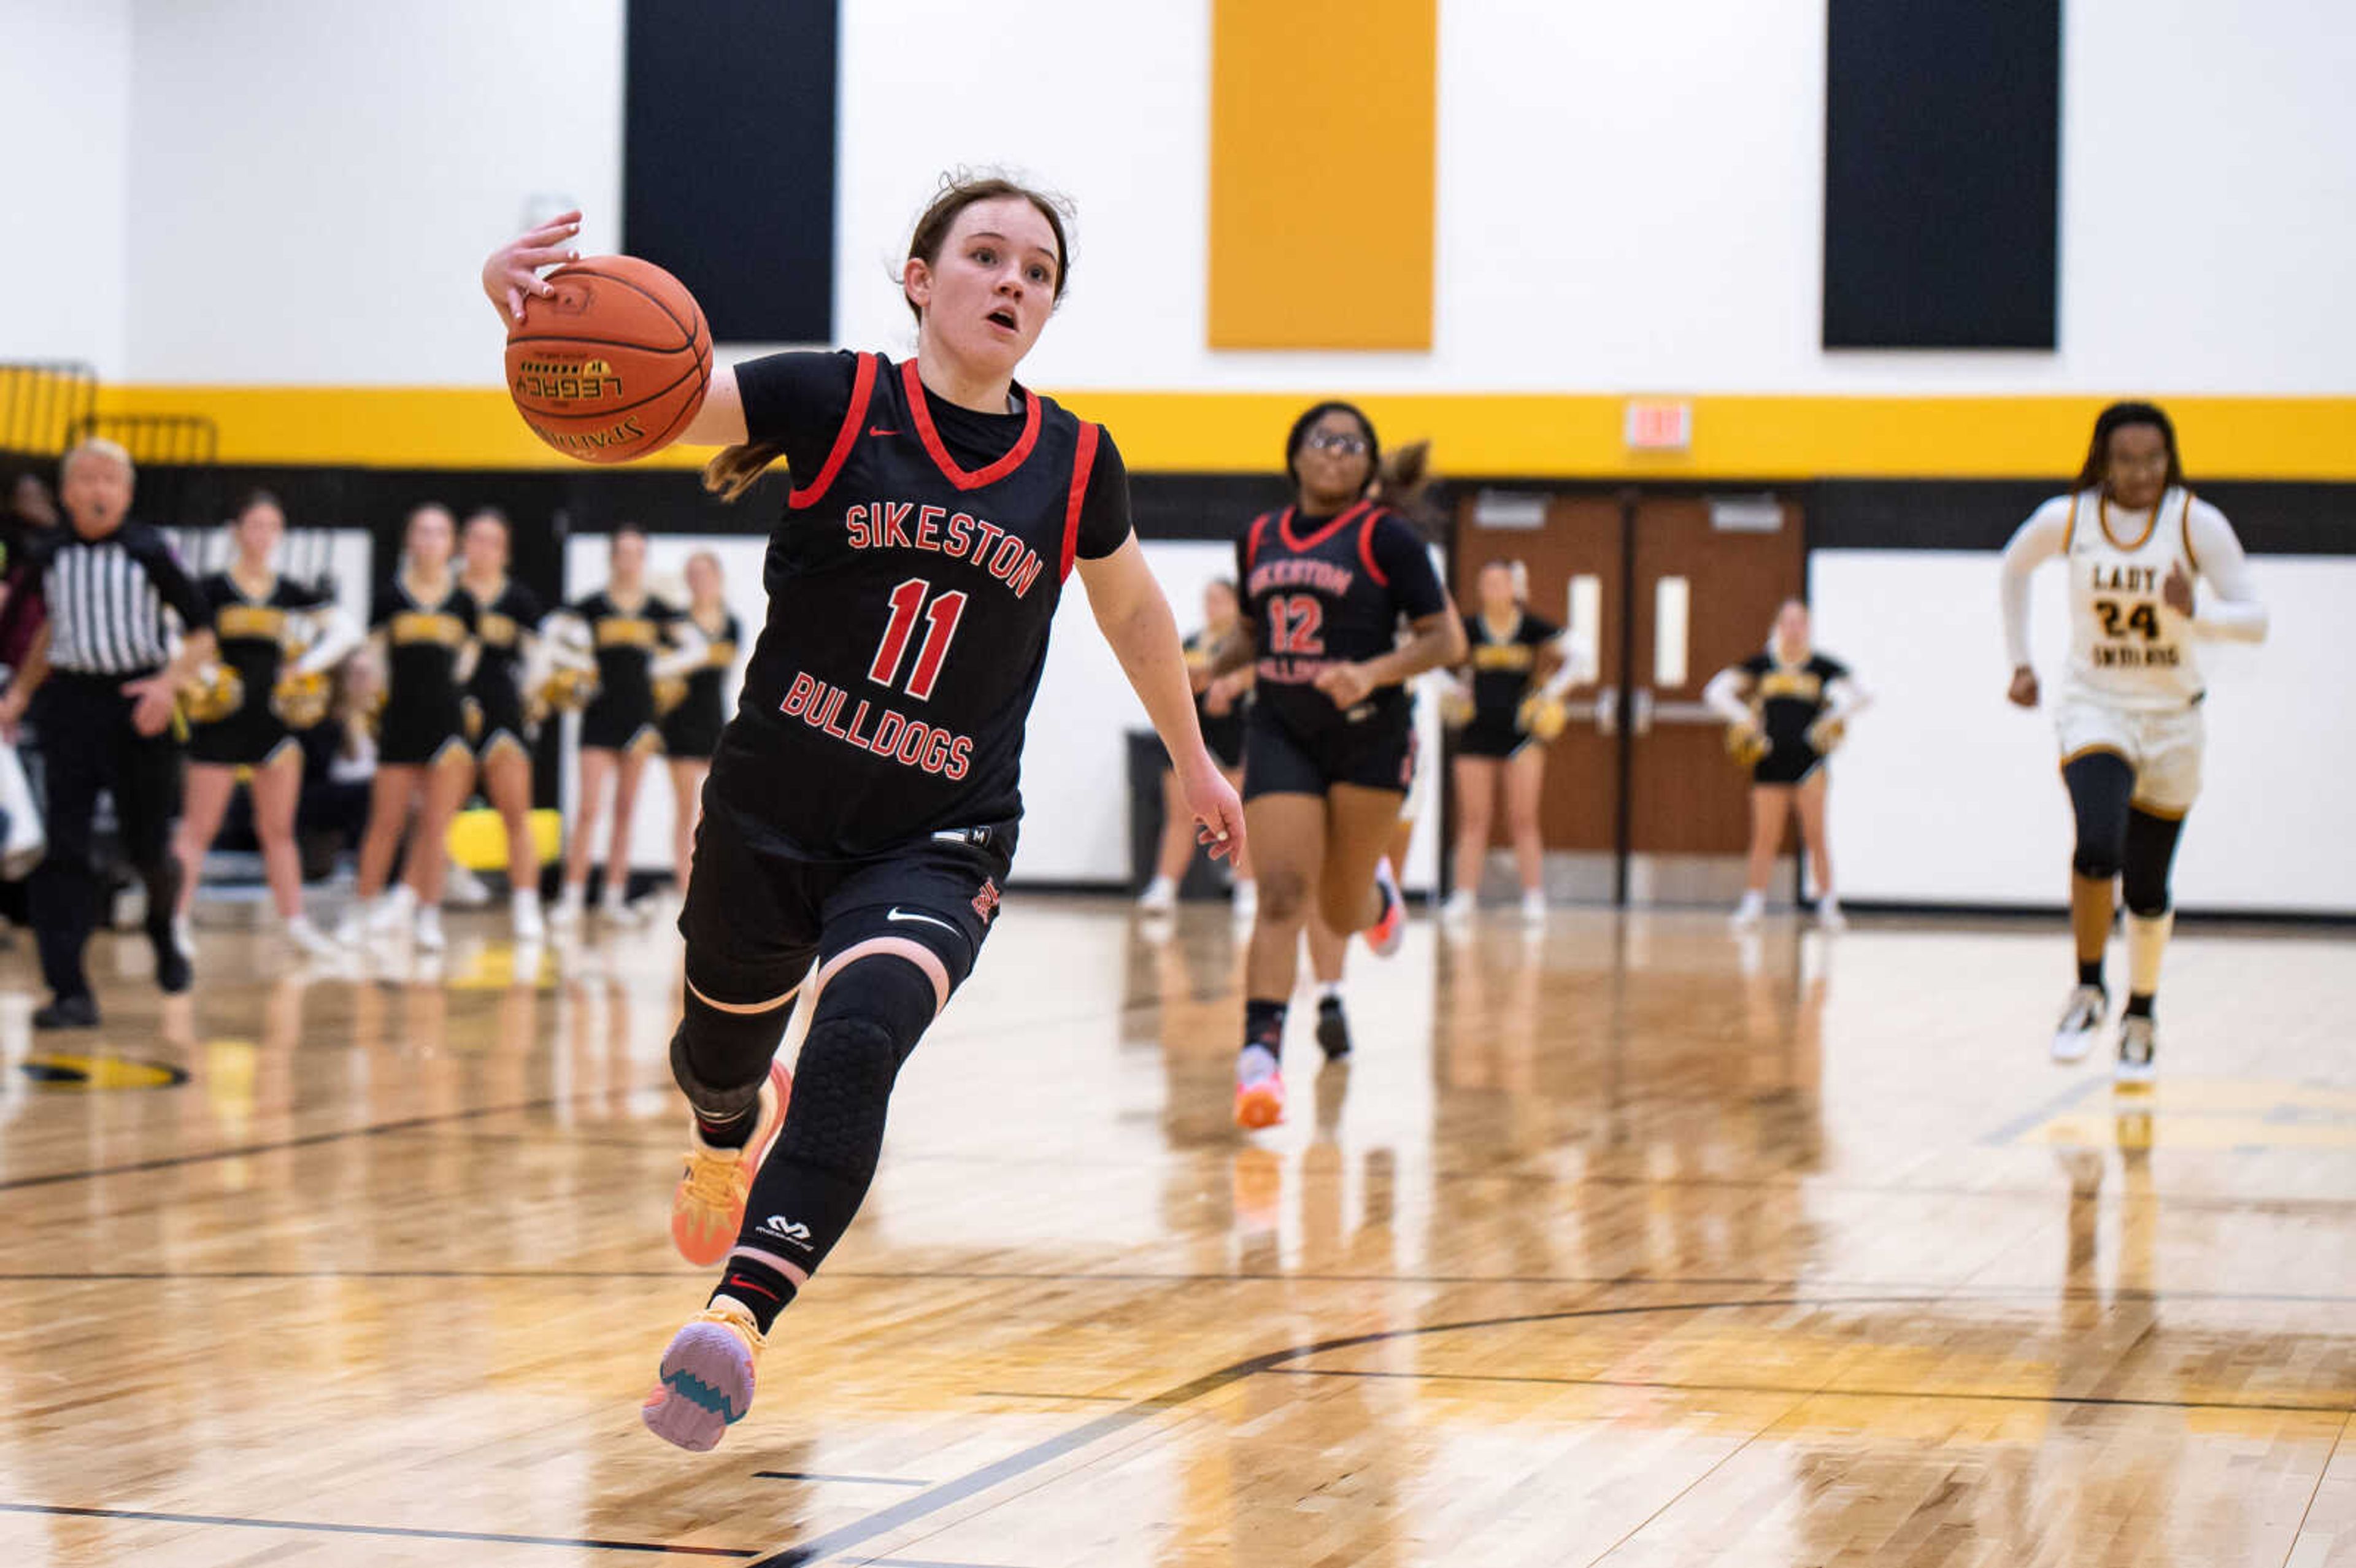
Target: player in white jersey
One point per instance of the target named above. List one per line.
(2134, 538)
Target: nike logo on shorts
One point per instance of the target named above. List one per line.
(899, 914)
(879, 429)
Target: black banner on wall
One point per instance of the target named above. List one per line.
(1942, 134)
(728, 159)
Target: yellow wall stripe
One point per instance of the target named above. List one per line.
(1531, 435)
(1324, 121)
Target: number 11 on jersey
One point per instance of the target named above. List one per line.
(941, 625)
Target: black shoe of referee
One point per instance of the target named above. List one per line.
(67, 1012)
(174, 974)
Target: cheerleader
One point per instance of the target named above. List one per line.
(1788, 706)
(691, 706)
(635, 640)
(1220, 701)
(1517, 670)
(507, 631)
(278, 638)
(423, 625)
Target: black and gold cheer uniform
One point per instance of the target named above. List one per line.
(691, 730)
(423, 644)
(253, 636)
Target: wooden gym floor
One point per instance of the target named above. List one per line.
(1632, 1244)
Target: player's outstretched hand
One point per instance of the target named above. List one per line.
(2177, 590)
(1218, 814)
(2023, 692)
(1347, 684)
(513, 270)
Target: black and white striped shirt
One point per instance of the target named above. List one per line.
(107, 599)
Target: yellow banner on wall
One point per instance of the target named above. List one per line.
(1324, 118)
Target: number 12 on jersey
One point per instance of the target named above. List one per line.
(1292, 623)
(941, 618)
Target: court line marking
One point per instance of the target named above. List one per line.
(308, 1140)
(1832, 1389)
(379, 1529)
(987, 1476)
(1925, 1290)
(2300, 1534)
(817, 1475)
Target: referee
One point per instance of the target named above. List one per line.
(106, 678)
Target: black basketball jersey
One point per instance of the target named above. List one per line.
(1502, 667)
(910, 598)
(1791, 695)
(718, 654)
(1325, 590)
(500, 628)
(627, 641)
(251, 633)
(423, 642)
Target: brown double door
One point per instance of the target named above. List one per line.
(1665, 589)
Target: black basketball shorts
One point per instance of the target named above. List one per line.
(1279, 759)
(758, 914)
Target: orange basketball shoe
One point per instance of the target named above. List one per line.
(708, 1208)
(1259, 1089)
(1385, 935)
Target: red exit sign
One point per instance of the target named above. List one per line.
(1659, 424)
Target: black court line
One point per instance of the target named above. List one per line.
(1829, 1389)
(1923, 1290)
(816, 1476)
(308, 1140)
(1046, 1452)
(312, 1526)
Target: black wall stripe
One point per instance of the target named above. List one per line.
(1942, 133)
(728, 159)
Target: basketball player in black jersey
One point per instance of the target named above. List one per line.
(691, 708)
(862, 811)
(507, 633)
(1329, 748)
(424, 625)
(1219, 713)
(636, 640)
(1788, 705)
(260, 618)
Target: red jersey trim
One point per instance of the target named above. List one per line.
(1082, 462)
(1366, 548)
(863, 389)
(1284, 527)
(923, 414)
(1251, 544)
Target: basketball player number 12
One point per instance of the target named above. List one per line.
(941, 625)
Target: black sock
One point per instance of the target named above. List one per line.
(2139, 1007)
(2090, 974)
(728, 1132)
(765, 1291)
(1264, 1025)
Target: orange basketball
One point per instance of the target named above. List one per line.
(614, 364)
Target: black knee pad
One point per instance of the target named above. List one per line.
(810, 1189)
(719, 1058)
(843, 1087)
(2100, 783)
(885, 991)
(2150, 854)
